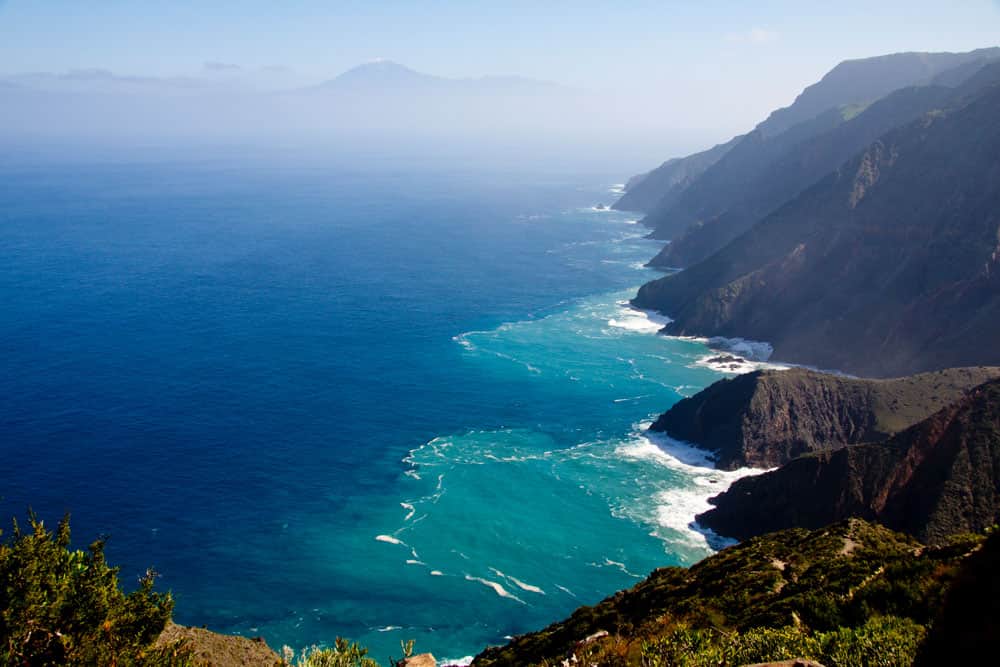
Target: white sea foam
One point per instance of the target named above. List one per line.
(436, 573)
(676, 508)
(390, 628)
(517, 582)
(410, 510)
(566, 590)
(754, 350)
(389, 539)
(497, 588)
(619, 566)
(458, 662)
(413, 561)
(640, 321)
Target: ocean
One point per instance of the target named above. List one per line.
(320, 402)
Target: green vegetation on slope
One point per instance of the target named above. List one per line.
(829, 589)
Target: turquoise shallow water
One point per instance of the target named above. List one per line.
(381, 405)
(557, 514)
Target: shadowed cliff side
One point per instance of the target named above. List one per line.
(968, 627)
(936, 479)
(662, 186)
(888, 266)
(767, 418)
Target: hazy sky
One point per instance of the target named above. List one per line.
(707, 63)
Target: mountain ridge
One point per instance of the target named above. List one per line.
(905, 228)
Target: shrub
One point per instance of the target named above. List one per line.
(881, 642)
(342, 654)
(63, 606)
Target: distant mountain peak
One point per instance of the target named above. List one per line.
(379, 73)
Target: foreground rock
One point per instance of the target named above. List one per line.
(217, 650)
(936, 479)
(767, 418)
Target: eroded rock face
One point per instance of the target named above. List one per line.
(767, 418)
(936, 479)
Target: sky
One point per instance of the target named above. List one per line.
(710, 65)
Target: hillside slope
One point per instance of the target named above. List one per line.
(734, 188)
(800, 581)
(888, 266)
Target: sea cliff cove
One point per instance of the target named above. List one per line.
(418, 365)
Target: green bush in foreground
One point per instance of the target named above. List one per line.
(342, 654)
(65, 607)
(880, 642)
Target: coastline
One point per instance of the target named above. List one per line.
(616, 481)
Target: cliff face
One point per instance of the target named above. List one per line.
(664, 184)
(767, 418)
(937, 478)
(833, 120)
(888, 266)
(851, 83)
(773, 182)
(866, 79)
(821, 580)
(733, 178)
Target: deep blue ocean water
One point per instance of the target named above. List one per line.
(320, 402)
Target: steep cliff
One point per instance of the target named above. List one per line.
(886, 267)
(937, 478)
(851, 84)
(664, 184)
(832, 120)
(767, 418)
(773, 183)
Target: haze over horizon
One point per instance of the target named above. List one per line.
(637, 86)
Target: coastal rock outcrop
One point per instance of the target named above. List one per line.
(767, 418)
(936, 479)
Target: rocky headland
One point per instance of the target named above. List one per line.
(767, 418)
